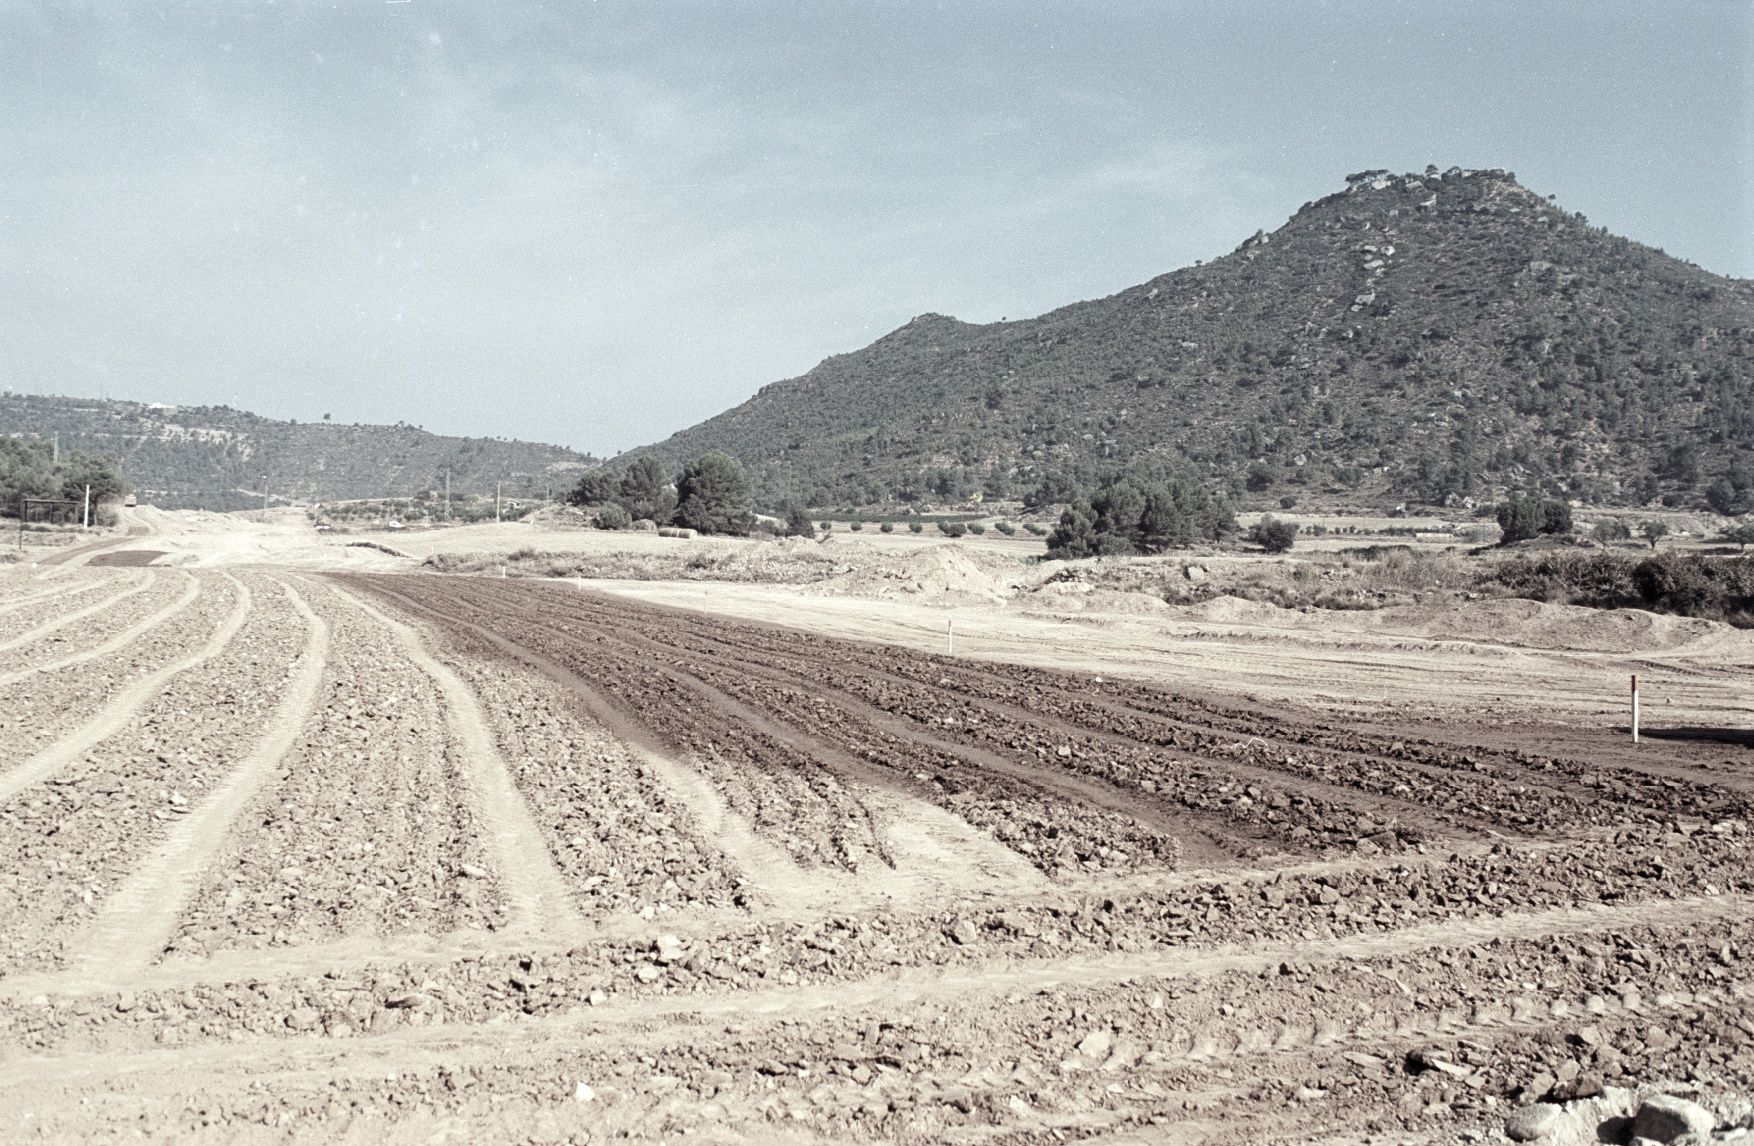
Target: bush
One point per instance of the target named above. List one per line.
(915, 527)
(612, 516)
(798, 523)
(952, 528)
(887, 527)
(1006, 528)
(856, 526)
(1693, 585)
(1289, 501)
(1609, 530)
(825, 526)
(1653, 531)
(1035, 530)
(1738, 535)
(976, 528)
(1519, 519)
(1273, 535)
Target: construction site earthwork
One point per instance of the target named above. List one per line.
(302, 840)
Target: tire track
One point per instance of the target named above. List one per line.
(644, 1017)
(540, 903)
(24, 602)
(356, 953)
(124, 705)
(142, 915)
(772, 872)
(120, 640)
(40, 631)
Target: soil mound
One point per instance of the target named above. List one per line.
(1083, 597)
(1228, 610)
(939, 574)
(1516, 623)
(1534, 624)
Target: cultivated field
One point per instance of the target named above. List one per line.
(299, 842)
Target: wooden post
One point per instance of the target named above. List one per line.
(950, 638)
(1635, 708)
(87, 507)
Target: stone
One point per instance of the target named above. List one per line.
(1095, 1046)
(583, 1092)
(408, 1001)
(1585, 1085)
(1539, 1086)
(471, 871)
(647, 973)
(302, 1019)
(1664, 1117)
(1533, 1123)
(963, 933)
(669, 949)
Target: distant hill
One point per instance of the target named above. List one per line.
(214, 457)
(1440, 337)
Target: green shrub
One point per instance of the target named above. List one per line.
(915, 527)
(976, 528)
(887, 527)
(1273, 535)
(1519, 519)
(613, 516)
(1739, 535)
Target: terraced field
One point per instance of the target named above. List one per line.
(407, 858)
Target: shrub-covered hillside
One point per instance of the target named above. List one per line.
(1435, 337)
(214, 457)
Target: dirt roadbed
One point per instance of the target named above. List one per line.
(408, 858)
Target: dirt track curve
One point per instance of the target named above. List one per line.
(403, 858)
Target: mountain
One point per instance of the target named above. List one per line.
(214, 457)
(1439, 337)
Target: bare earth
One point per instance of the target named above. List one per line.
(298, 842)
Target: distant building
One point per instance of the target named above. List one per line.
(160, 408)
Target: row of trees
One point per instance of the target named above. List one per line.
(1141, 513)
(712, 494)
(28, 469)
(1521, 518)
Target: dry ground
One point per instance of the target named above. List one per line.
(299, 844)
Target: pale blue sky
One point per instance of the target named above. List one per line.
(597, 223)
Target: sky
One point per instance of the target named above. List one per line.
(597, 223)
